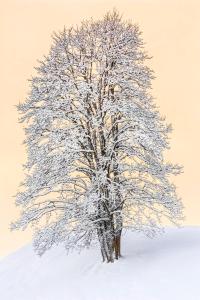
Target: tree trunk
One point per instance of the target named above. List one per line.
(106, 248)
(117, 246)
(105, 236)
(110, 246)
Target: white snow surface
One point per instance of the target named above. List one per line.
(163, 268)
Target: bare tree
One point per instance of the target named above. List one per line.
(95, 142)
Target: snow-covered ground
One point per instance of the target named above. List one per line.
(165, 268)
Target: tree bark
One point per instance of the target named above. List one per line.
(106, 245)
(110, 245)
(117, 246)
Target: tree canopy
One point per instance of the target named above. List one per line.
(95, 142)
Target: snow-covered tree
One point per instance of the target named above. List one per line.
(95, 142)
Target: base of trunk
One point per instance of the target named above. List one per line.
(117, 247)
(111, 250)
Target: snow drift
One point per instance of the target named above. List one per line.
(165, 268)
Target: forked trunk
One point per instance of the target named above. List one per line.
(106, 250)
(110, 248)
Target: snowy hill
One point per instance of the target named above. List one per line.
(165, 268)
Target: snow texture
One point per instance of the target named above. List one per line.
(165, 268)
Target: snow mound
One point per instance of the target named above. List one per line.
(165, 268)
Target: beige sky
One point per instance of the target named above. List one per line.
(171, 30)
